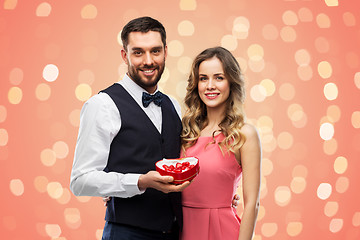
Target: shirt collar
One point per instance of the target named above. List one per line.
(134, 89)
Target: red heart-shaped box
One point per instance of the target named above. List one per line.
(182, 169)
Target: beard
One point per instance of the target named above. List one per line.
(143, 81)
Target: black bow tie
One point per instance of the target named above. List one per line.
(148, 98)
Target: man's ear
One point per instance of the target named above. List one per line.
(124, 56)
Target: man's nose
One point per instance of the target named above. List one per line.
(148, 59)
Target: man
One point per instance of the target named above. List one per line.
(123, 131)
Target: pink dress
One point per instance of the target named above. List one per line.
(207, 210)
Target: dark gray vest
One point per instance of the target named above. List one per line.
(136, 149)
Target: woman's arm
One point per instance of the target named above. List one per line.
(250, 157)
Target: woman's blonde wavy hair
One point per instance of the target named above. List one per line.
(195, 118)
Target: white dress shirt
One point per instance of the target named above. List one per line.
(99, 123)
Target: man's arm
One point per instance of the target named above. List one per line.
(99, 123)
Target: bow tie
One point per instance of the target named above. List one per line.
(148, 98)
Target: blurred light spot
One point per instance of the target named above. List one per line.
(269, 229)
(258, 93)
(98, 234)
(352, 60)
(43, 92)
(175, 48)
(340, 165)
(270, 32)
(325, 69)
(9, 222)
(122, 70)
(294, 228)
(300, 171)
(355, 119)
(265, 124)
(282, 196)
(186, 28)
(322, 45)
(298, 185)
(266, 166)
(330, 91)
(330, 146)
(297, 116)
(54, 189)
(287, 91)
(43, 10)
(16, 76)
(255, 52)
(52, 51)
(165, 76)
(332, 3)
(89, 11)
(17, 187)
(4, 137)
(83, 92)
(65, 197)
(342, 184)
(229, 42)
(327, 131)
(89, 53)
(184, 65)
(3, 114)
(269, 86)
(74, 117)
(10, 4)
(83, 199)
(241, 26)
(302, 57)
(187, 5)
(290, 18)
(50, 72)
(268, 143)
(40, 183)
(324, 191)
(357, 80)
(86, 76)
(61, 149)
(349, 19)
(119, 41)
(243, 63)
(323, 21)
(53, 230)
(305, 15)
(72, 217)
(333, 112)
(15, 95)
(181, 88)
(288, 34)
(48, 157)
(336, 225)
(331, 208)
(256, 65)
(356, 219)
(305, 72)
(261, 213)
(285, 140)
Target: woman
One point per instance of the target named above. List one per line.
(215, 131)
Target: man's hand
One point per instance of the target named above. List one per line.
(235, 201)
(153, 179)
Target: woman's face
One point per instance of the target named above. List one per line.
(213, 86)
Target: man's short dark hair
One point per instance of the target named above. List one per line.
(144, 25)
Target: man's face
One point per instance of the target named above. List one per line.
(145, 56)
